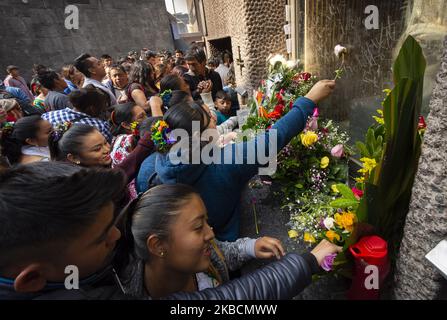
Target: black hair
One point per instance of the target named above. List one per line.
(182, 115)
(62, 144)
(213, 61)
(170, 82)
(195, 53)
(152, 213)
(121, 113)
(46, 205)
(90, 100)
(150, 54)
(117, 66)
(178, 96)
(12, 140)
(143, 73)
(105, 56)
(179, 51)
(83, 64)
(47, 78)
(38, 68)
(223, 95)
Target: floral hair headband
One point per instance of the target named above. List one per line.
(60, 129)
(166, 96)
(160, 136)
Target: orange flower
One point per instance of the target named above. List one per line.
(332, 235)
(345, 220)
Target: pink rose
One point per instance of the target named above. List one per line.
(338, 151)
(316, 113)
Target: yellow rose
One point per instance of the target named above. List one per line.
(293, 234)
(309, 238)
(309, 138)
(324, 162)
(331, 235)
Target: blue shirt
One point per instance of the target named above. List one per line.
(221, 185)
(18, 93)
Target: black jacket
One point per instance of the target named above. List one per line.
(279, 280)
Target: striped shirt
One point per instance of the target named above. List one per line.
(69, 115)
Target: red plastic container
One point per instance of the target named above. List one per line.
(369, 251)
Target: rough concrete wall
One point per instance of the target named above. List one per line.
(254, 25)
(35, 32)
(368, 66)
(226, 18)
(426, 223)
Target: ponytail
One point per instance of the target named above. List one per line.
(14, 137)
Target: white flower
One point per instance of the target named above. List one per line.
(329, 223)
(277, 58)
(339, 50)
(291, 64)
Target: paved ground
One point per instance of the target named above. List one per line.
(272, 222)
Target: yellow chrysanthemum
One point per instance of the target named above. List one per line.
(309, 138)
(360, 180)
(309, 238)
(292, 234)
(332, 235)
(345, 220)
(324, 162)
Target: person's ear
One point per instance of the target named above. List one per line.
(73, 159)
(30, 279)
(155, 246)
(31, 142)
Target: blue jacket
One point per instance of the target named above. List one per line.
(221, 185)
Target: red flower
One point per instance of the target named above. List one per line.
(282, 91)
(422, 125)
(358, 193)
(279, 108)
(304, 76)
(274, 115)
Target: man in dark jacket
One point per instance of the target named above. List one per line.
(199, 78)
(58, 237)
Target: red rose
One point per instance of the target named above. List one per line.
(304, 76)
(422, 125)
(279, 108)
(358, 193)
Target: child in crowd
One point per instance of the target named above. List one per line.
(222, 104)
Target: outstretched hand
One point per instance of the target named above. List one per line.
(321, 90)
(323, 249)
(266, 248)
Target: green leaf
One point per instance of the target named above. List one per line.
(344, 203)
(346, 192)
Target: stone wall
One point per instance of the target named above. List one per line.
(34, 32)
(256, 26)
(368, 64)
(426, 223)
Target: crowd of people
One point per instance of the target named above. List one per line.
(87, 179)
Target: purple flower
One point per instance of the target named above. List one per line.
(328, 262)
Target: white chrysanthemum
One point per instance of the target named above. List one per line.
(277, 58)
